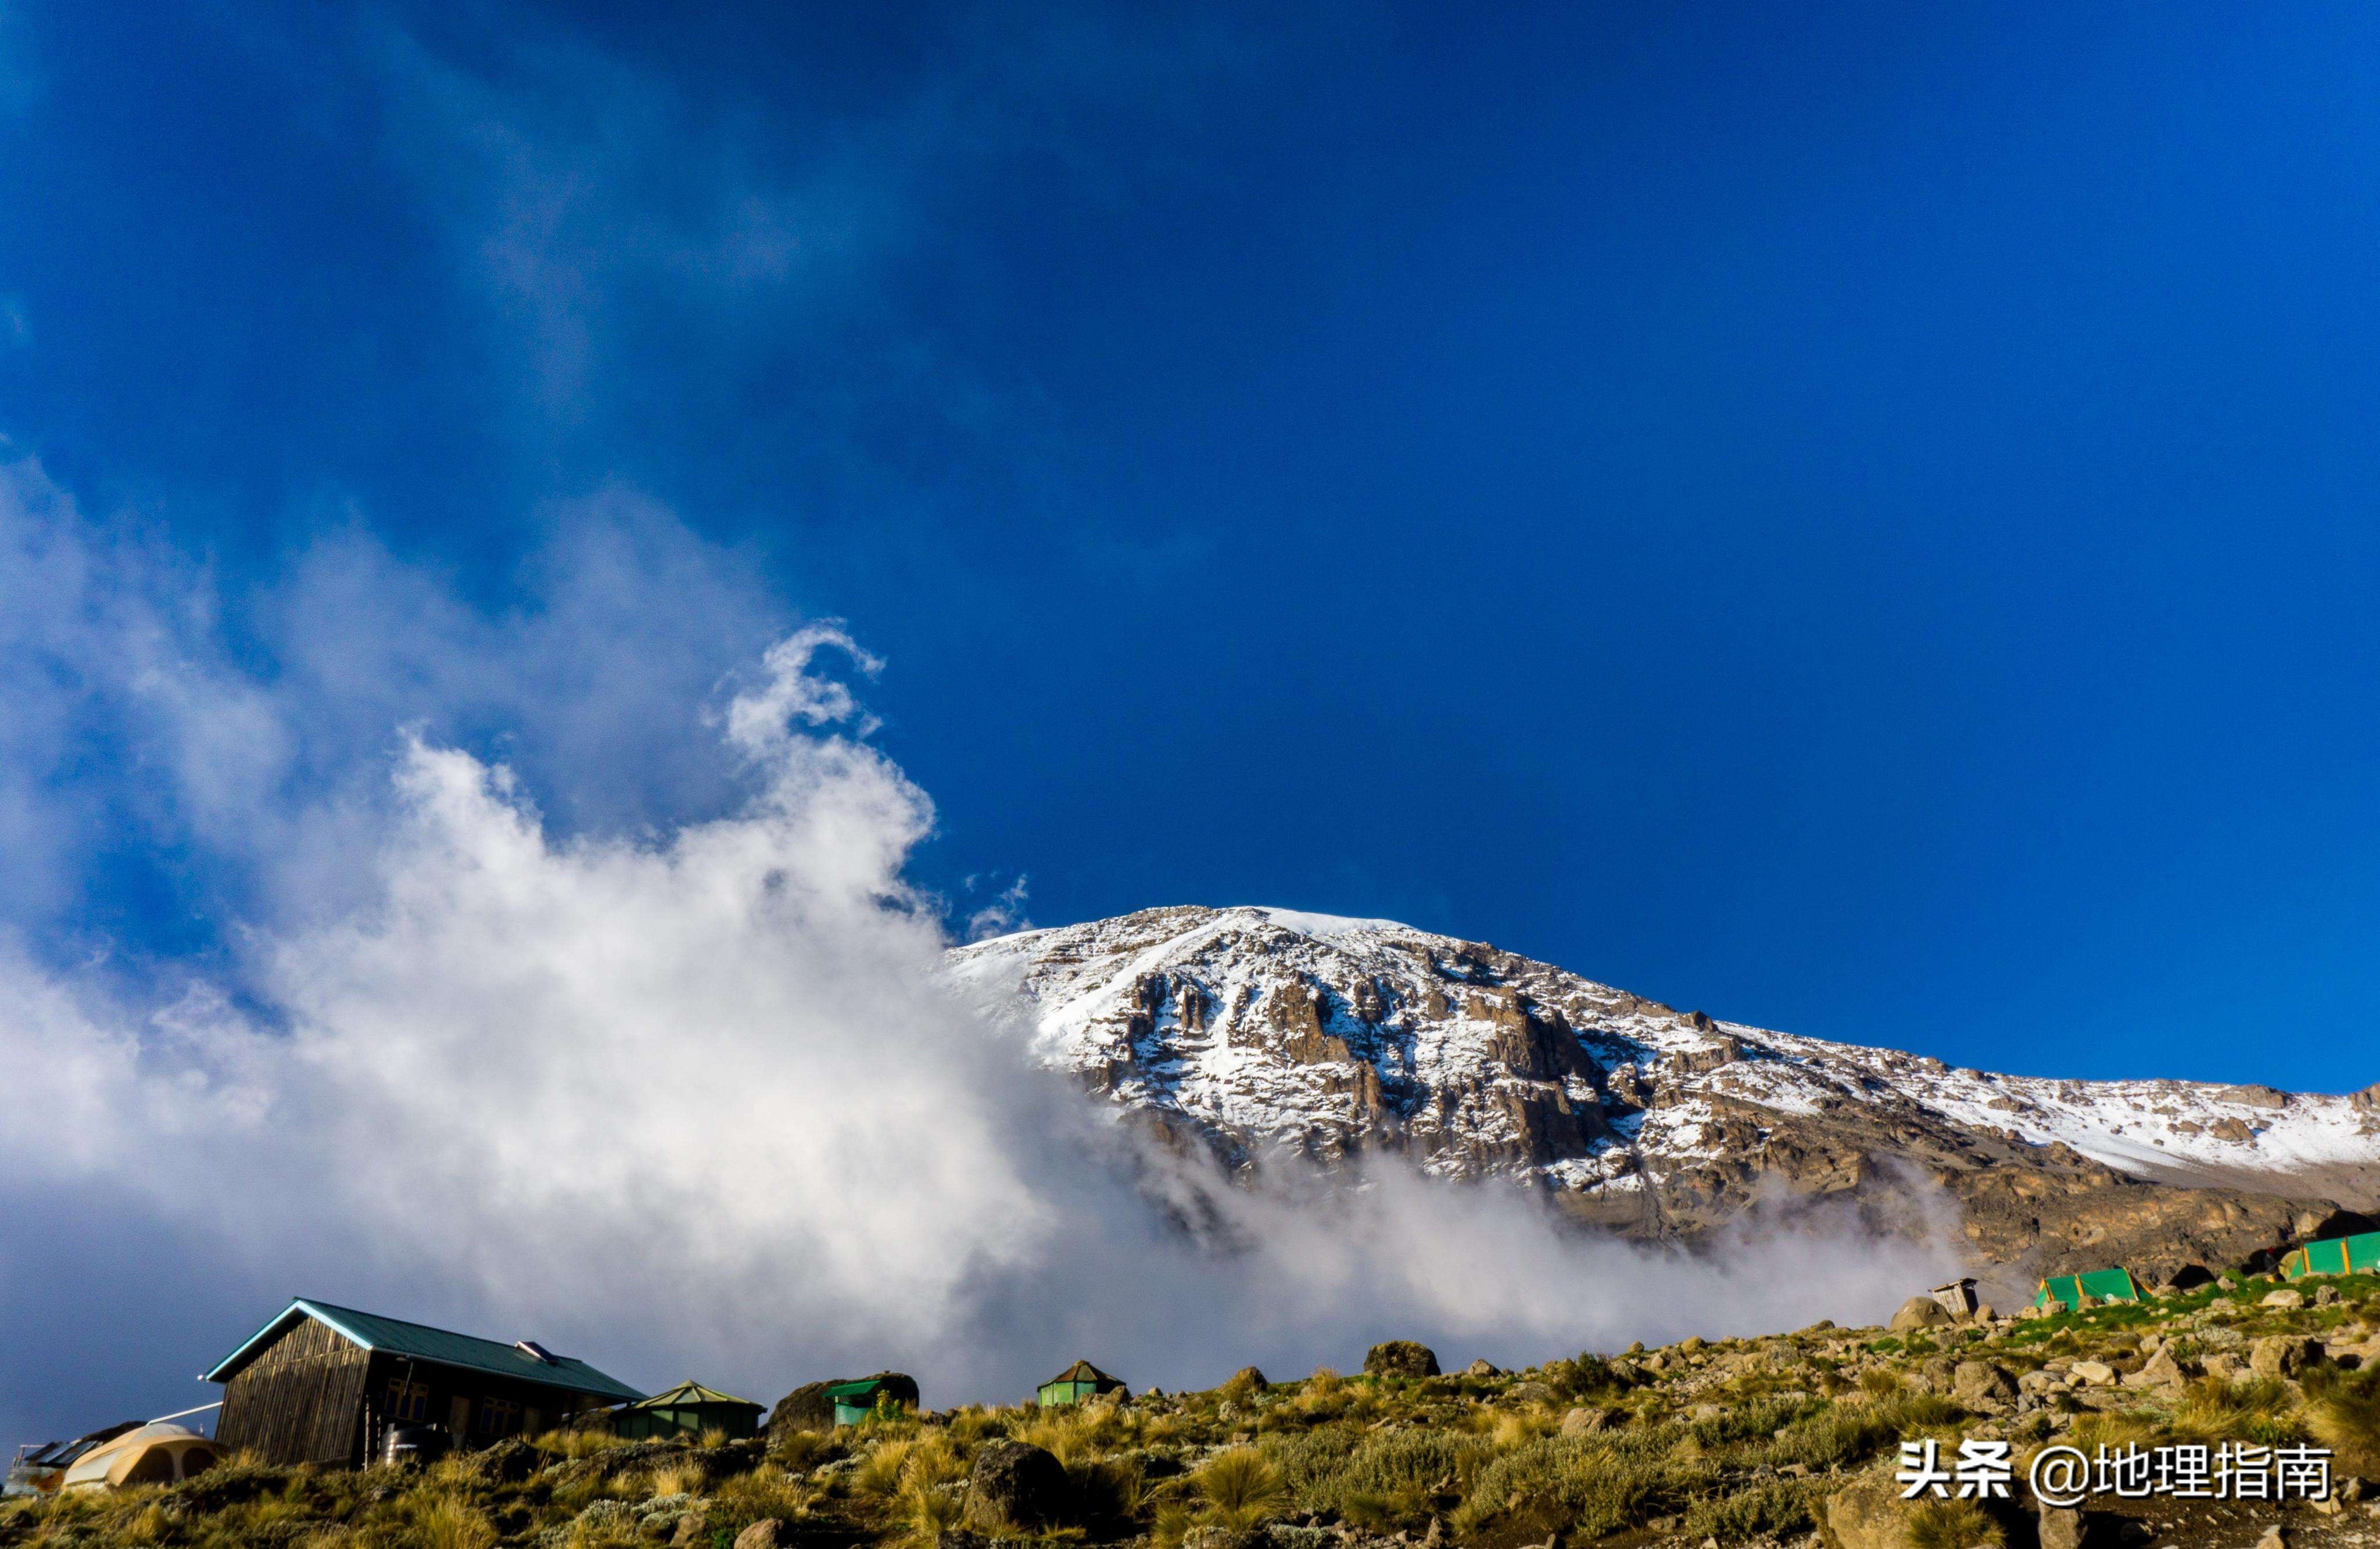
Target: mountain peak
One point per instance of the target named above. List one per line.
(1274, 1034)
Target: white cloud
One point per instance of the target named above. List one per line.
(684, 1093)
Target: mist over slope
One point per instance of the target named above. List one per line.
(1267, 1034)
(690, 1098)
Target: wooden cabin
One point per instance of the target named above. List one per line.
(324, 1384)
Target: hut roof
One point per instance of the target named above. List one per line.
(690, 1393)
(857, 1388)
(1083, 1371)
(438, 1347)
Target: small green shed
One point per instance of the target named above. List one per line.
(2335, 1255)
(2099, 1285)
(1077, 1382)
(689, 1409)
(855, 1401)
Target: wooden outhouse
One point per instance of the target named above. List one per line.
(321, 1384)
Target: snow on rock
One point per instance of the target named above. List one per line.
(1268, 1029)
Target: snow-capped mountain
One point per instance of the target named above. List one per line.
(1266, 1030)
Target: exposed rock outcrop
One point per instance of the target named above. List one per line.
(1267, 1036)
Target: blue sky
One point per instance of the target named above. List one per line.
(1859, 522)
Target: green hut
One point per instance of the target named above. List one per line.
(1077, 1382)
(2335, 1255)
(2099, 1285)
(855, 1401)
(689, 1409)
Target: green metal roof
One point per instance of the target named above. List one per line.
(436, 1346)
(690, 1393)
(854, 1389)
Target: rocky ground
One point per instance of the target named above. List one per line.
(1784, 1442)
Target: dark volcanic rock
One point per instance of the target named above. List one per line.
(508, 1462)
(1401, 1358)
(1016, 1484)
(807, 1408)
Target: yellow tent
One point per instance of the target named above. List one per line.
(153, 1455)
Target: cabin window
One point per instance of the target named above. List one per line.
(499, 1417)
(408, 1401)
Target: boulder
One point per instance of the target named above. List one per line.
(2325, 1295)
(1920, 1312)
(1585, 1422)
(1483, 1367)
(1530, 1393)
(2224, 1364)
(2290, 1298)
(2282, 1355)
(2061, 1527)
(729, 1458)
(1018, 1484)
(2095, 1372)
(1249, 1379)
(1401, 1358)
(1973, 1382)
(508, 1462)
(1868, 1514)
(807, 1408)
(2161, 1369)
(766, 1533)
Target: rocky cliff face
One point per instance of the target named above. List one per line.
(1266, 1034)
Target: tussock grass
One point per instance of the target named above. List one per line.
(1794, 1416)
(1952, 1524)
(1240, 1487)
(2212, 1409)
(447, 1522)
(2343, 1413)
(878, 1473)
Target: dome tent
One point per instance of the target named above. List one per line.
(154, 1454)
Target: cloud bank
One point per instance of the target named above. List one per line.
(473, 1038)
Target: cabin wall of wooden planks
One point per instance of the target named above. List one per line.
(300, 1400)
